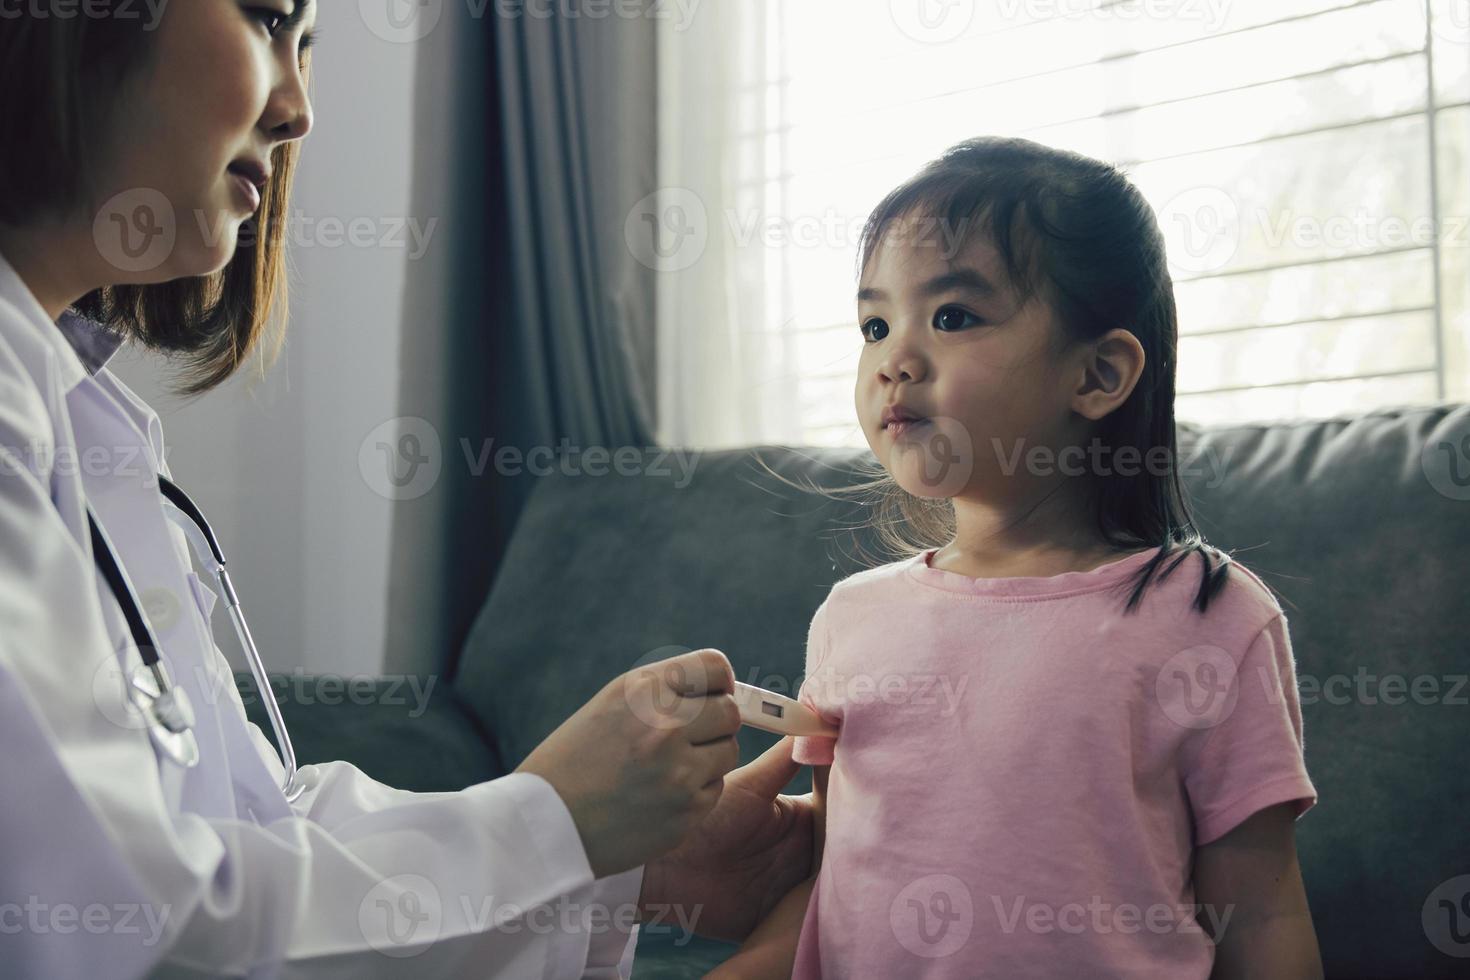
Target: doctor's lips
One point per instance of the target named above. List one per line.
(251, 177)
(897, 420)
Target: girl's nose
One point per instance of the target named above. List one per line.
(901, 363)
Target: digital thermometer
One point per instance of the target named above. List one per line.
(772, 712)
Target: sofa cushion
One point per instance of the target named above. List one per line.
(412, 736)
(1362, 527)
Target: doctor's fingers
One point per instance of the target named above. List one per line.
(697, 672)
(710, 762)
(718, 716)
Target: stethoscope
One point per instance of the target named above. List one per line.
(166, 708)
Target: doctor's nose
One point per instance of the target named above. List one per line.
(288, 115)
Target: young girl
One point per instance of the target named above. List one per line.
(1070, 741)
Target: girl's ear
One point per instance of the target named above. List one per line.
(1111, 367)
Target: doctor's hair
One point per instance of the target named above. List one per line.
(59, 79)
(1076, 233)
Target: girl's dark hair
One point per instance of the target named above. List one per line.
(1076, 232)
(59, 77)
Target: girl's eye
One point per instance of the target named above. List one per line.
(874, 330)
(950, 318)
(270, 18)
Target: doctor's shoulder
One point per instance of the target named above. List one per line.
(27, 431)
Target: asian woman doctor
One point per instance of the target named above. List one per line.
(130, 850)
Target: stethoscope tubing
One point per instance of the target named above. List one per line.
(166, 706)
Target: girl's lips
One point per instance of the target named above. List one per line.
(898, 428)
(898, 412)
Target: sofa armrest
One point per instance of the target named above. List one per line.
(408, 735)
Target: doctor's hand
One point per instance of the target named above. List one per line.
(641, 764)
(753, 848)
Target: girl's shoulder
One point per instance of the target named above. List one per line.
(1241, 608)
(878, 576)
(860, 589)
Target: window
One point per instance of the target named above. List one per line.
(1307, 160)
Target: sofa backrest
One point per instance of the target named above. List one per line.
(1361, 525)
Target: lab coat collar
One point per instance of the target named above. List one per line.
(93, 343)
(82, 347)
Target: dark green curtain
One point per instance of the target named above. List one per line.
(533, 324)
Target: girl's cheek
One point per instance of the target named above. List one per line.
(975, 381)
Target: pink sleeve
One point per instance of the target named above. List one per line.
(1251, 758)
(814, 750)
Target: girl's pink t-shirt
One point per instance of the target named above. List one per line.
(1023, 772)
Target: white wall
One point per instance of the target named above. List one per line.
(273, 461)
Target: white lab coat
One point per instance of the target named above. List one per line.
(116, 863)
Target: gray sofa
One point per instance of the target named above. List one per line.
(1361, 525)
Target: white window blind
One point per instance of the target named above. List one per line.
(1307, 159)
